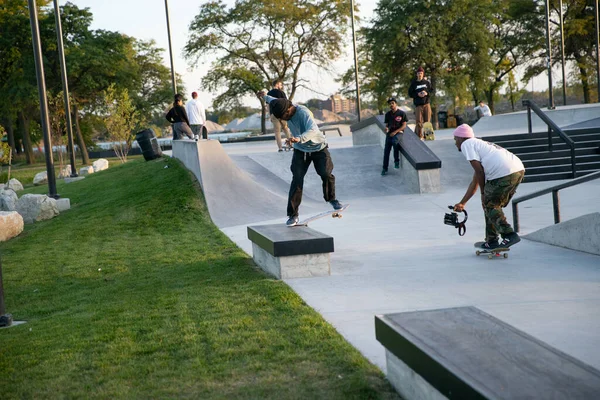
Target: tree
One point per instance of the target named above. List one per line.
(121, 119)
(257, 41)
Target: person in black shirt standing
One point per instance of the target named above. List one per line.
(178, 117)
(395, 122)
(278, 124)
(420, 89)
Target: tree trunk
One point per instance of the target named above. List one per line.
(583, 75)
(85, 158)
(489, 95)
(433, 102)
(10, 133)
(24, 125)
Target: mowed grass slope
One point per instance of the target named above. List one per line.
(134, 293)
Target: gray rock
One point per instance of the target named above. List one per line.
(63, 204)
(86, 170)
(40, 178)
(11, 225)
(36, 207)
(65, 172)
(71, 180)
(14, 184)
(8, 200)
(100, 164)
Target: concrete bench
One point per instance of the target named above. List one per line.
(464, 353)
(285, 252)
(420, 167)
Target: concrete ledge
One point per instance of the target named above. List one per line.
(420, 166)
(582, 234)
(285, 252)
(464, 353)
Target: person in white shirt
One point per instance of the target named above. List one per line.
(498, 172)
(484, 109)
(197, 116)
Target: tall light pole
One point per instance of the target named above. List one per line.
(597, 49)
(39, 70)
(562, 50)
(549, 57)
(65, 85)
(355, 60)
(170, 49)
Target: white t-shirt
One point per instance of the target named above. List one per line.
(485, 110)
(497, 162)
(195, 112)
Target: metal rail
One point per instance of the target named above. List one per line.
(551, 127)
(555, 199)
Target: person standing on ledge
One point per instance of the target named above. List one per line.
(310, 145)
(395, 122)
(498, 172)
(483, 109)
(420, 89)
(278, 93)
(178, 117)
(197, 115)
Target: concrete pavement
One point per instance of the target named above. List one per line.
(393, 253)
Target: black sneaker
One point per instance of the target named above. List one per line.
(397, 164)
(336, 205)
(292, 221)
(492, 244)
(510, 239)
(383, 172)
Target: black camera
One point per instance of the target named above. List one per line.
(452, 220)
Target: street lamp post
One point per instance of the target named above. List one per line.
(39, 70)
(597, 48)
(65, 85)
(549, 57)
(170, 49)
(562, 49)
(355, 60)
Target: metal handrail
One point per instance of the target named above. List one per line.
(551, 127)
(555, 200)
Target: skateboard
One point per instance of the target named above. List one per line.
(333, 213)
(428, 131)
(497, 252)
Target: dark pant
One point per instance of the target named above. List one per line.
(390, 142)
(496, 195)
(300, 163)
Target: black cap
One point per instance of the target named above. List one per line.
(279, 106)
(392, 99)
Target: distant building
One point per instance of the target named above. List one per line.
(337, 104)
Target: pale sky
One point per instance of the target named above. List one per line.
(145, 19)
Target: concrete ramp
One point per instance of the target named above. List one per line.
(232, 196)
(582, 233)
(511, 123)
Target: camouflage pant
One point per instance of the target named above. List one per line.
(496, 195)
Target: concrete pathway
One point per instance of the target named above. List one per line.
(393, 253)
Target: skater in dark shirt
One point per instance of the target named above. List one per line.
(395, 122)
(178, 117)
(420, 89)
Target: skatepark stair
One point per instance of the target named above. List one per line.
(543, 164)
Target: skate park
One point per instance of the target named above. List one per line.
(393, 254)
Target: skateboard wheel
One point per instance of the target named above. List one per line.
(490, 256)
(477, 252)
(505, 255)
(335, 215)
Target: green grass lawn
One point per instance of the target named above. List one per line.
(134, 293)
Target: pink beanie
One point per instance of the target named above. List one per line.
(464, 131)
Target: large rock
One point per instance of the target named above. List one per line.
(36, 207)
(65, 172)
(8, 200)
(100, 165)
(14, 184)
(11, 225)
(41, 178)
(86, 170)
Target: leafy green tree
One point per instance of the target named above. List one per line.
(257, 41)
(121, 118)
